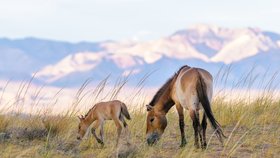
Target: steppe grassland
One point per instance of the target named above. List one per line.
(250, 119)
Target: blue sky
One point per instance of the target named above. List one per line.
(98, 20)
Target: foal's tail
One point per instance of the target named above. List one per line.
(203, 98)
(124, 111)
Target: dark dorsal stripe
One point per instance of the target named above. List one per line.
(169, 103)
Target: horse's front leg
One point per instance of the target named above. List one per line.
(102, 131)
(180, 111)
(95, 126)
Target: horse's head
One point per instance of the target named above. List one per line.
(156, 124)
(82, 128)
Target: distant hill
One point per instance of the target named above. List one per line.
(210, 47)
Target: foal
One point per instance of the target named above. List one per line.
(111, 110)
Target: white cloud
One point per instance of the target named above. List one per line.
(130, 72)
(142, 35)
(96, 20)
(16, 9)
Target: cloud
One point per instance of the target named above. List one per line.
(141, 35)
(16, 9)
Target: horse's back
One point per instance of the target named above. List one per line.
(186, 86)
(109, 104)
(109, 109)
(189, 77)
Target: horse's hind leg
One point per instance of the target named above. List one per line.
(196, 126)
(204, 126)
(127, 133)
(119, 128)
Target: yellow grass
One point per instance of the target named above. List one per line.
(4, 122)
(251, 125)
(252, 130)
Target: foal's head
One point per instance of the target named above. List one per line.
(82, 128)
(156, 124)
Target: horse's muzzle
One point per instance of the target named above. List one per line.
(153, 138)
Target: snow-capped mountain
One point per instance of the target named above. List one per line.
(204, 46)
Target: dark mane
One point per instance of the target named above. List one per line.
(161, 91)
(165, 87)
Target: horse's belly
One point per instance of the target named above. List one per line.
(106, 116)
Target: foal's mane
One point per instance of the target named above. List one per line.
(165, 87)
(90, 110)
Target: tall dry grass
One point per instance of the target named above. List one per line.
(251, 121)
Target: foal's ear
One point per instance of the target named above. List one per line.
(149, 107)
(81, 118)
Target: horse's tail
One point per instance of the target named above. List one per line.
(203, 98)
(124, 111)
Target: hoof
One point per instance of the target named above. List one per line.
(183, 143)
(100, 142)
(203, 147)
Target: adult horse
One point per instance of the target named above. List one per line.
(189, 88)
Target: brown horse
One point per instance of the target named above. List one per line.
(112, 110)
(189, 88)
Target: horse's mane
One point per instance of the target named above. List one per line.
(163, 88)
(90, 110)
(161, 91)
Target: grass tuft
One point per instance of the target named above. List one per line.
(56, 125)
(4, 123)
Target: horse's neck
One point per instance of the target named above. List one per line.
(166, 106)
(165, 102)
(91, 117)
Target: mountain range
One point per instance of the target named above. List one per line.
(210, 47)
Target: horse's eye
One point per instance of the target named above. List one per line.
(152, 119)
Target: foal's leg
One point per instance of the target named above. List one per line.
(127, 134)
(119, 128)
(94, 127)
(102, 131)
(204, 126)
(180, 111)
(196, 126)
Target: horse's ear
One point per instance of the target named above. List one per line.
(149, 107)
(81, 117)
